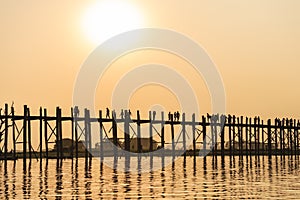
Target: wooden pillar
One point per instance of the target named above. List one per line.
(222, 126)
(276, 136)
(139, 144)
(90, 136)
(183, 133)
(194, 136)
(290, 137)
(162, 140)
(216, 135)
(76, 114)
(247, 135)
(58, 134)
(241, 140)
(6, 132)
(269, 139)
(172, 137)
(126, 131)
(295, 137)
(115, 134)
(204, 124)
(280, 136)
(258, 136)
(25, 137)
(72, 133)
(87, 133)
(283, 126)
(230, 135)
(101, 134)
(46, 131)
(150, 132)
(212, 134)
(233, 146)
(13, 130)
(29, 134)
(263, 135)
(41, 135)
(250, 137)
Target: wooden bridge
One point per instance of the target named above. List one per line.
(215, 135)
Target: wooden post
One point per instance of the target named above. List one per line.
(223, 120)
(258, 136)
(183, 134)
(230, 135)
(263, 135)
(87, 134)
(29, 134)
(250, 137)
(101, 134)
(41, 135)
(76, 114)
(24, 137)
(247, 135)
(241, 142)
(276, 136)
(269, 139)
(194, 135)
(295, 137)
(139, 144)
(255, 135)
(233, 145)
(14, 130)
(90, 137)
(162, 140)
(284, 123)
(58, 134)
(46, 131)
(212, 135)
(290, 136)
(126, 131)
(216, 135)
(6, 132)
(150, 132)
(280, 136)
(115, 134)
(204, 124)
(72, 133)
(172, 136)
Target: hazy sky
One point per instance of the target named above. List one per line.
(255, 44)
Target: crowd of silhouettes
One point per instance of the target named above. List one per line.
(175, 116)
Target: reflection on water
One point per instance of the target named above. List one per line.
(233, 177)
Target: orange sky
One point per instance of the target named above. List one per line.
(255, 45)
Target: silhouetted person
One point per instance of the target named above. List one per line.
(208, 116)
(122, 114)
(169, 116)
(129, 113)
(107, 113)
(154, 113)
(177, 115)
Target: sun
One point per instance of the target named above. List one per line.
(107, 18)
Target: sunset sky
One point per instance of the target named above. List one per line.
(254, 44)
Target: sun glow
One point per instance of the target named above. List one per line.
(108, 18)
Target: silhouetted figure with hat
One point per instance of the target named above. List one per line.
(154, 114)
(107, 113)
(177, 115)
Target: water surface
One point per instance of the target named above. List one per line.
(239, 177)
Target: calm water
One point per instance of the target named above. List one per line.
(237, 178)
